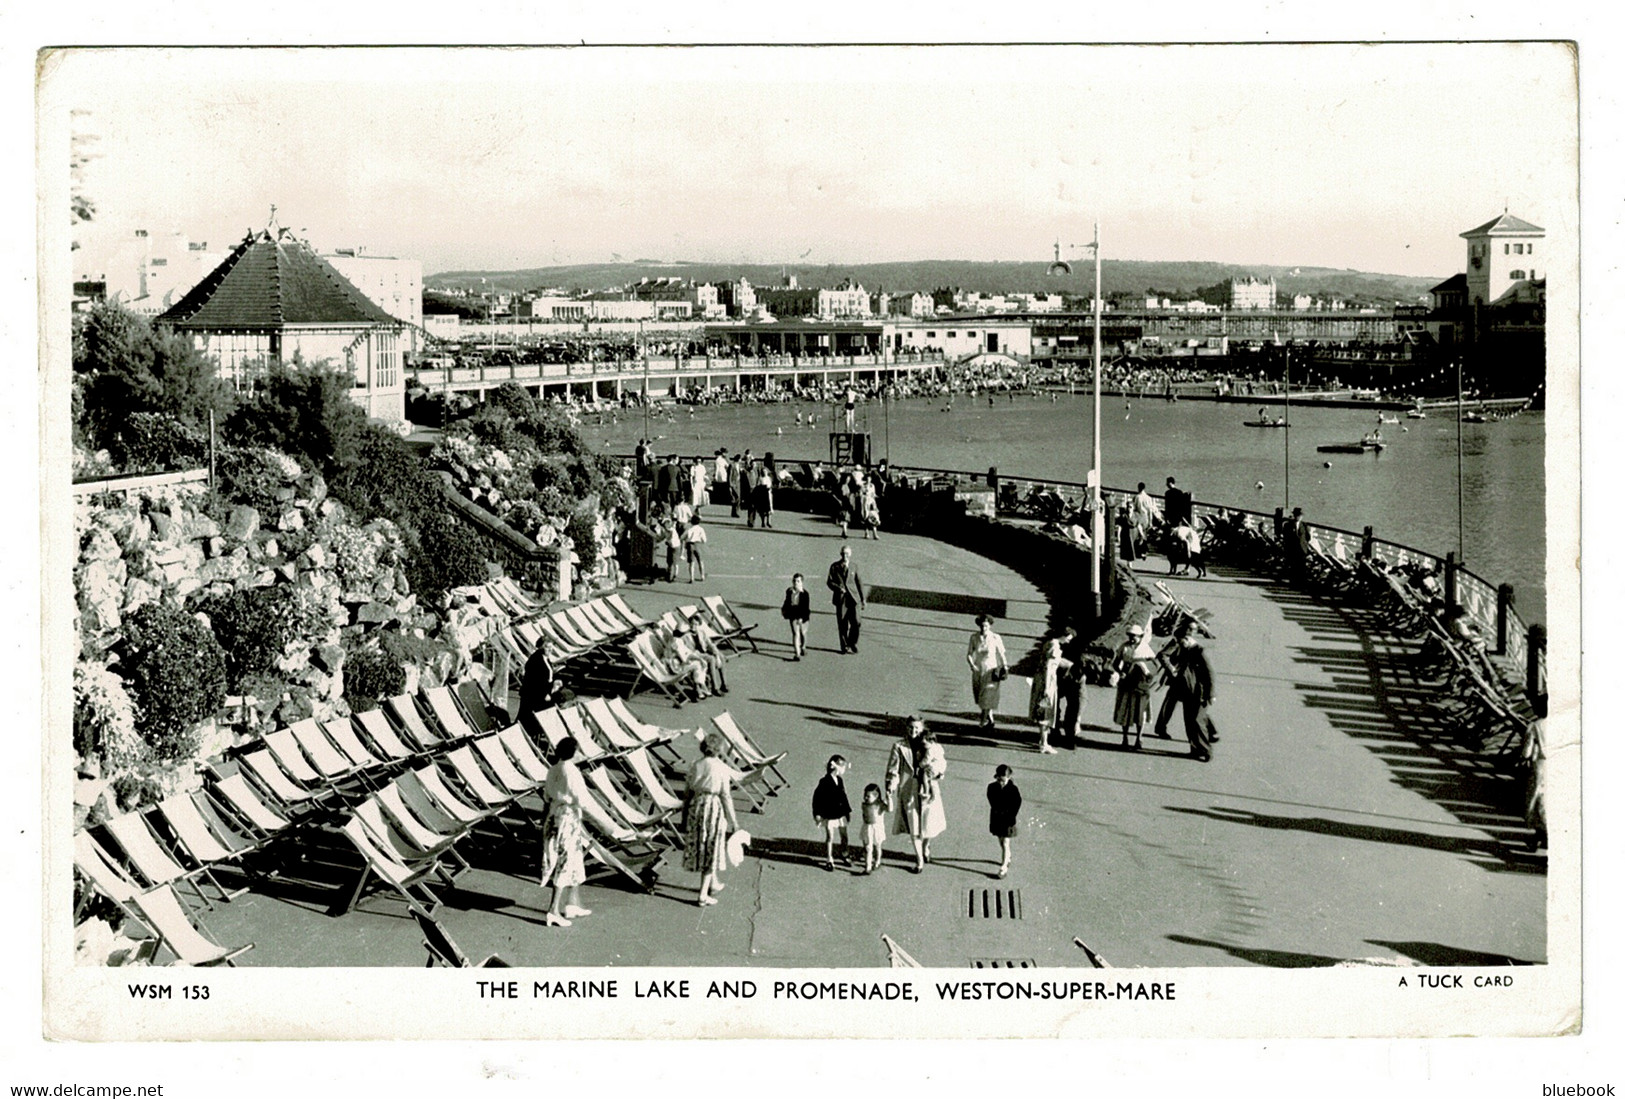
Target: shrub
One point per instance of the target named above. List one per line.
(132, 792)
(175, 671)
(448, 556)
(253, 476)
(129, 367)
(253, 626)
(306, 411)
(369, 675)
(104, 717)
(157, 442)
(581, 531)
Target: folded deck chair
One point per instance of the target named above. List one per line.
(748, 751)
(619, 604)
(153, 861)
(163, 915)
(377, 728)
(236, 796)
(443, 949)
(376, 861)
(341, 731)
(732, 626)
(443, 705)
(408, 718)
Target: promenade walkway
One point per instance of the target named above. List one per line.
(1330, 825)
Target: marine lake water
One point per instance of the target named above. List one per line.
(1407, 492)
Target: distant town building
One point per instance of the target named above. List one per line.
(394, 284)
(273, 298)
(845, 300)
(1252, 293)
(1501, 254)
(737, 298)
(146, 273)
(962, 337)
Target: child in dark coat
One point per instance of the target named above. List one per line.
(1004, 807)
(831, 809)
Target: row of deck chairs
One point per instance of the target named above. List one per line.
(403, 784)
(1469, 690)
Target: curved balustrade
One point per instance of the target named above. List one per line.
(490, 375)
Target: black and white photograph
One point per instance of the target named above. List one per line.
(984, 540)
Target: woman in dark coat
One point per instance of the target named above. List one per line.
(1004, 808)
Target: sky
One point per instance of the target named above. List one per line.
(1366, 157)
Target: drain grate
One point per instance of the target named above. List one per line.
(992, 904)
(1003, 963)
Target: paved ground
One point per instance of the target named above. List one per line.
(1333, 823)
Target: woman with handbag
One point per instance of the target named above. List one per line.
(708, 819)
(797, 611)
(988, 668)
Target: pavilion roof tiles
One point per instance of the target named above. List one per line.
(271, 282)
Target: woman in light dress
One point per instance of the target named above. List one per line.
(914, 774)
(1134, 668)
(1044, 704)
(988, 668)
(564, 839)
(708, 819)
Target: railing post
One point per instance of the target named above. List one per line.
(1533, 686)
(1503, 612)
(1450, 566)
(1368, 548)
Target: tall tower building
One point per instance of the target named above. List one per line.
(1502, 253)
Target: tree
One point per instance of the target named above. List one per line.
(125, 366)
(306, 411)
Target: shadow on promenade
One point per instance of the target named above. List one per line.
(1370, 690)
(1487, 853)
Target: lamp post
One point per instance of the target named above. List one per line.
(1097, 511)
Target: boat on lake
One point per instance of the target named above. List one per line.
(1264, 423)
(1372, 440)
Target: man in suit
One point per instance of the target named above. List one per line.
(667, 482)
(1071, 685)
(1190, 686)
(1176, 505)
(846, 590)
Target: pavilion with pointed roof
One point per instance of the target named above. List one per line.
(273, 298)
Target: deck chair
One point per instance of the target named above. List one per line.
(509, 589)
(443, 949)
(553, 730)
(376, 727)
(239, 798)
(607, 620)
(502, 766)
(660, 740)
(621, 735)
(618, 604)
(409, 719)
(587, 626)
(483, 790)
(1088, 952)
(746, 748)
(560, 625)
(426, 786)
(154, 862)
(378, 862)
(292, 759)
(160, 910)
(476, 706)
(730, 626)
(897, 957)
(102, 870)
(332, 762)
(207, 839)
(397, 830)
(524, 755)
(575, 720)
(650, 670)
(342, 732)
(443, 705)
(635, 842)
(265, 770)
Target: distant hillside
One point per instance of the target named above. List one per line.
(1117, 276)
